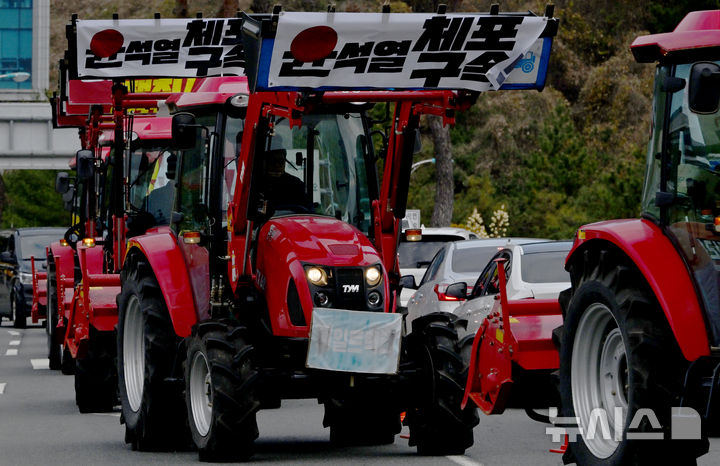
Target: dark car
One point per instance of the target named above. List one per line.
(17, 246)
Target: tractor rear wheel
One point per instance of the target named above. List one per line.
(221, 391)
(51, 321)
(438, 426)
(619, 361)
(96, 375)
(147, 347)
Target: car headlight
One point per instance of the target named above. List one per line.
(373, 276)
(26, 278)
(317, 276)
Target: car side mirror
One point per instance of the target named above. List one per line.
(408, 281)
(62, 183)
(7, 256)
(457, 290)
(704, 91)
(85, 164)
(184, 131)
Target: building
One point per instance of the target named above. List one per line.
(27, 137)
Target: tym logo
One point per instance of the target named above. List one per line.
(351, 288)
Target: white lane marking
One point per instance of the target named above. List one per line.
(13, 332)
(463, 460)
(107, 414)
(2, 388)
(40, 363)
(11, 352)
(15, 343)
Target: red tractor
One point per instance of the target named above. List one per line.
(114, 197)
(277, 277)
(639, 344)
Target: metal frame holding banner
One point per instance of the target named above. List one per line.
(323, 51)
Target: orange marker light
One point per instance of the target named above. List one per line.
(413, 235)
(89, 242)
(191, 237)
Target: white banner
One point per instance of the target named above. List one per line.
(375, 50)
(182, 48)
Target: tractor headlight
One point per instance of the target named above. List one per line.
(373, 276)
(317, 276)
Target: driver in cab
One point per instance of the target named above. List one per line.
(283, 190)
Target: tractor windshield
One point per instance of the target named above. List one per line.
(150, 189)
(325, 174)
(690, 144)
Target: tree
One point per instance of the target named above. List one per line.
(31, 201)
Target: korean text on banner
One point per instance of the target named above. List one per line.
(182, 48)
(375, 50)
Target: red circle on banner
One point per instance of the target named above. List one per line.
(106, 43)
(314, 43)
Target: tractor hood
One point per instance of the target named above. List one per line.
(318, 240)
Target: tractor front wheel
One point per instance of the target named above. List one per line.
(438, 426)
(152, 407)
(621, 371)
(221, 391)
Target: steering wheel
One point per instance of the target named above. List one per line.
(73, 234)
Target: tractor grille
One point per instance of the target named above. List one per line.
(350, 289)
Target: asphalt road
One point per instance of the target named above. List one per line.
(40, 425)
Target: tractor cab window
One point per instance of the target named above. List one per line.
(150, 189)
(693, 179)
(231, 150)
(319, 168)
(193, 183)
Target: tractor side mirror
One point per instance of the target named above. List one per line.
(418, 142)
(408, 281)
(62, 183)
(184, 131)
(236, 106)
(68, 198)
(85, 164)
(171, 170)
(457, 290)
(704, 92)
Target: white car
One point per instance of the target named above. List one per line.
(459, 261)
(535, 270)
(418, 247)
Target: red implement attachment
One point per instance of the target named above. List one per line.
(39, 286)
(518, 332)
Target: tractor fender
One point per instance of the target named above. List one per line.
(165, 258)
(664, 270)
(64, 257)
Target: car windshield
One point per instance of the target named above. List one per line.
(418, 254)
(469, 260)
(333, 181)
(544, 267)
(34, 245)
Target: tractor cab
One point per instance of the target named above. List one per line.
(682, 182)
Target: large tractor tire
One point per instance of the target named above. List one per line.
(96, 375)
(617, 353)
(221, 391)
(51, 321)
(147, 348)
(438, 426)
(361, 422)
(67, 364)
